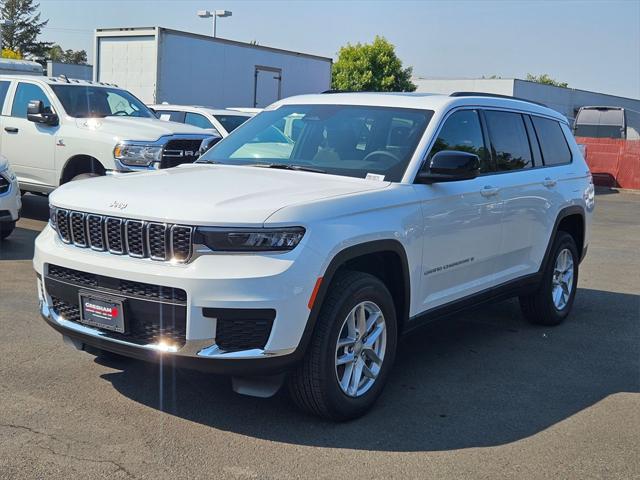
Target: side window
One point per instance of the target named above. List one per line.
(462, 132)
(533, 141)
(197, 120)
(4, 88)
(24, 94)
(509, 140)
(554, 146)
(170, 116)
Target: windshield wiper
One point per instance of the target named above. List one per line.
(286, 166)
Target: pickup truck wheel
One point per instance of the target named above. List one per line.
(352, 350)
(553, 300)
(83, 176)
(6, 228)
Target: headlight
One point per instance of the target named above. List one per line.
(137, 155)
(8, 173)
(53, 221)
(249, 240)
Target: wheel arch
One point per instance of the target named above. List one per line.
(571, 220)
(358, 257)
(79, 164)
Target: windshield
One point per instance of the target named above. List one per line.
(87, 101)
(231, 122)
(346, 140)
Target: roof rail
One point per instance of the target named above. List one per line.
(495, 95)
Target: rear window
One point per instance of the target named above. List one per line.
(170, 115)
(509, 140)
(554, 146)
(231, 122)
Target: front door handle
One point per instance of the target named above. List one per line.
(11, 129)
(549, 182)
(489, 191)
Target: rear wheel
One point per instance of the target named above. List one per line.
(6, 228)
(352, 351)
(553, 300)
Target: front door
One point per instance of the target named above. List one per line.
(462, 220)
(29, 146)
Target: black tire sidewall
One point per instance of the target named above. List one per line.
(366, 288)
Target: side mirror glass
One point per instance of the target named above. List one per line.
(450, 166)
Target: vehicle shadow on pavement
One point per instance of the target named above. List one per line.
(19, 245)
(482, 378)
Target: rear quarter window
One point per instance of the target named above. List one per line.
(553, 143)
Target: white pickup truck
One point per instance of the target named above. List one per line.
(54, 130)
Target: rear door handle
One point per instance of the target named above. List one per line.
(11, 129)
(549, 182)
(489, 191)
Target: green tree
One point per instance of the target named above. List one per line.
(546, 79)
(57, 54)
(372, 67)
(21, 36)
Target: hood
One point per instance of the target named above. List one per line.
(218, 195)
(133, 128)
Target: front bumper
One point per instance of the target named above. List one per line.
(11, 204)
(212, 283)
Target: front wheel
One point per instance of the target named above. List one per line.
(83, 176)
(553, 300)
(352, 351)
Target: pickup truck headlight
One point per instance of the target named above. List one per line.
(137, 155)
(8, 173)
(249, 240)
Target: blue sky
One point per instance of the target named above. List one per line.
(593, 45)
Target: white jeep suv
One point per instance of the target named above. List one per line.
(304, 261)
(54, 130)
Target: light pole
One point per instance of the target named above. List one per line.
(214, 14)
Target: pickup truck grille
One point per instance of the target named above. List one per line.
(120, 236)
(177, 152)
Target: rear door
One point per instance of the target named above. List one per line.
(29, 146)
(462, 219)
(528, 189)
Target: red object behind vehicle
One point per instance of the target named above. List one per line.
(613, 162)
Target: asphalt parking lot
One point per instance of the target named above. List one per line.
(481, 395)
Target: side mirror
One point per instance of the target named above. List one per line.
(37, 113)
(450, 166)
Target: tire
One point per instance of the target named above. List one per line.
(314, 383)
(541, 307)
(6, 228)
(84, 175)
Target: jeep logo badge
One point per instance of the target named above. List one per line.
(118, 204)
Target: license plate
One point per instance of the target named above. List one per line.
(102, 311)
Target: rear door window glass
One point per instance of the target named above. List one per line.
(554, 146)
(197, 120)
(509, 140)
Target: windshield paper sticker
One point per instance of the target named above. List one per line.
(374, 176)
